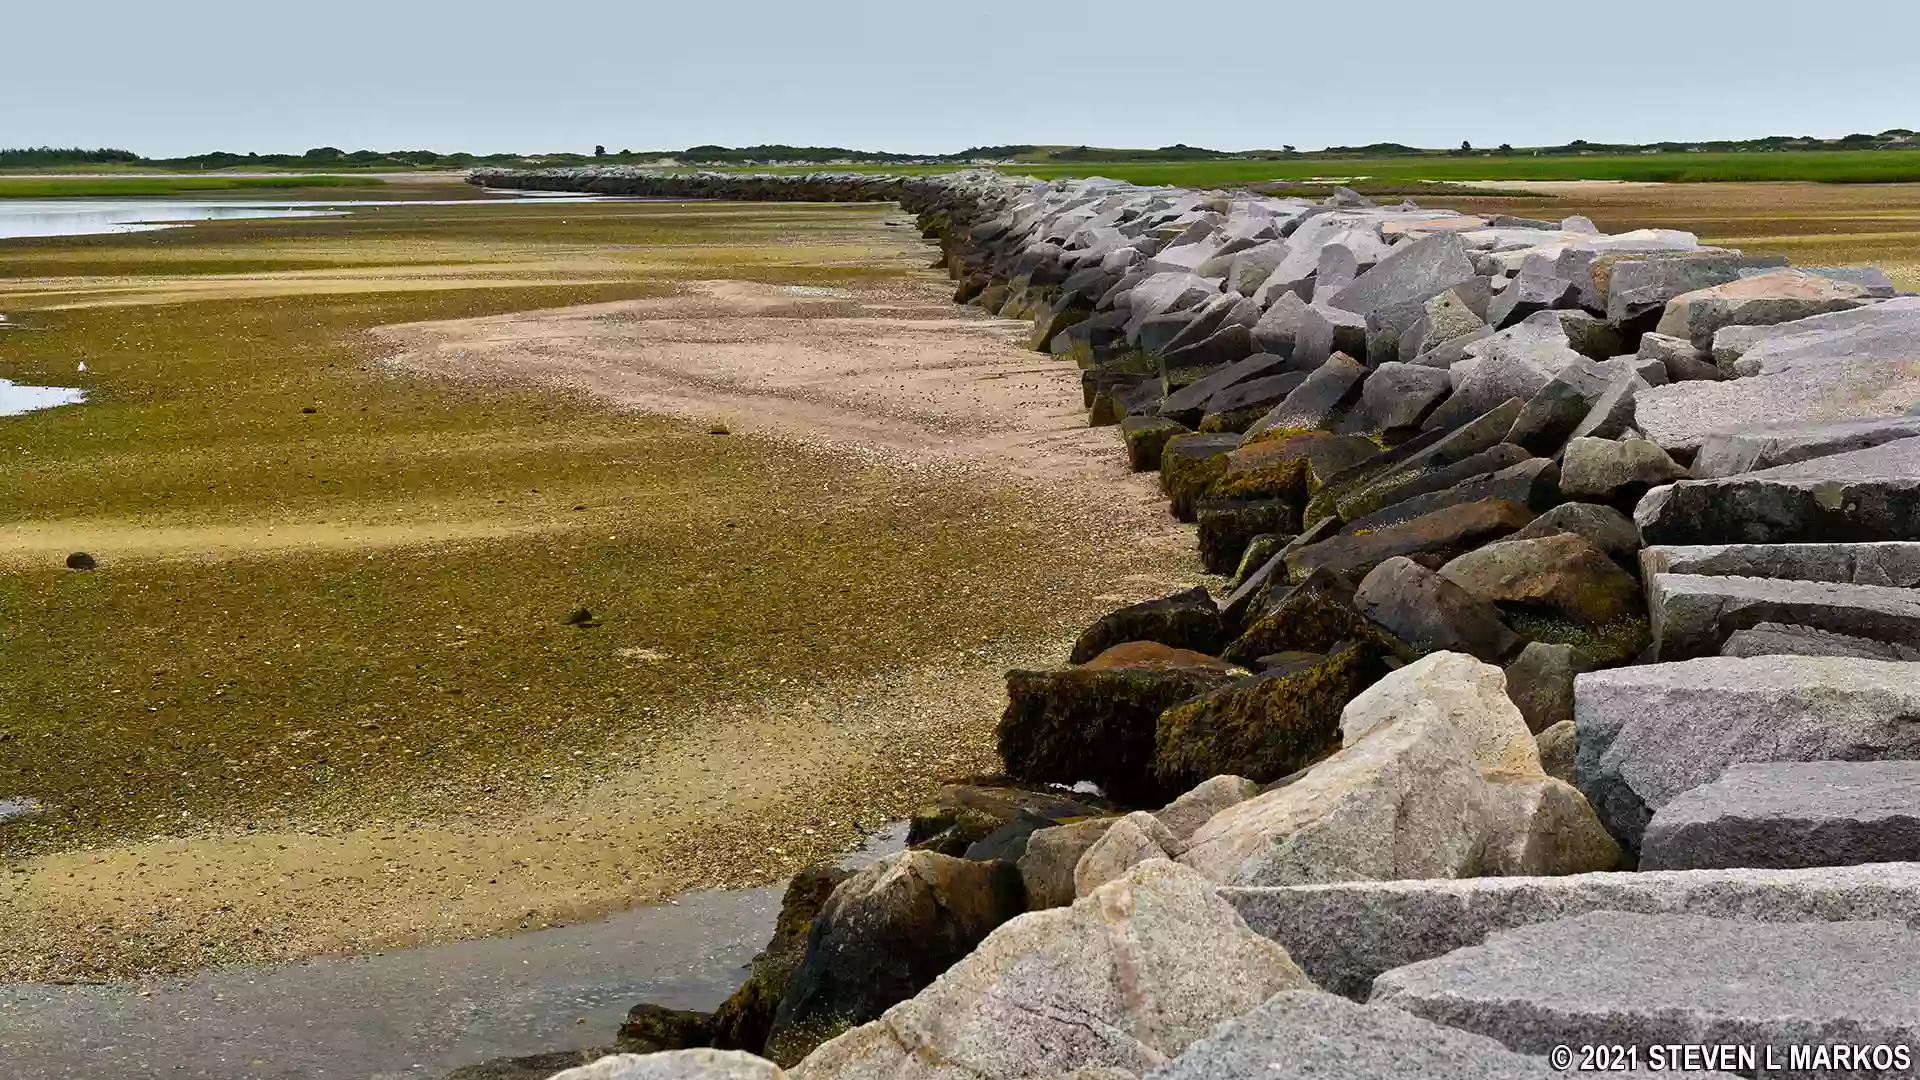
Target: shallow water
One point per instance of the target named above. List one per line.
(95, 216)
(16, 399)
(413, 1014)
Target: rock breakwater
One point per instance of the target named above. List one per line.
(1544, 550)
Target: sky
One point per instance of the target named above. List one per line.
(483, 76)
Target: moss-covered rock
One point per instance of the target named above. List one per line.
(1081, 723)
(1289, 466)
(651, 1028)
(1598, 645)
(1050, 320)
(1264, 727)
(993, 297)
(1146, 437)
(1260, 550)
(1185, 620)
(1314, 616)
(1228, 525)
(743, 1021)
(1189, 464)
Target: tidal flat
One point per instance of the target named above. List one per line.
(326, 691)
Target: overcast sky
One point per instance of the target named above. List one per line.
(189, 76)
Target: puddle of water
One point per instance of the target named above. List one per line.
(19, 807)
(16, 399)
(96, 216)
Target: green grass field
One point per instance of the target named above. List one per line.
(1839, 166)
(143, 186)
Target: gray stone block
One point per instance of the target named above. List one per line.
(1864, 496)
(1895, 563)
(1694, 614)
(1785, 639)
(1646, 734)
(1344, 935)
(1729, 453)
(1680, 416)
(1656, 981)
(1791, 814)
(1303, 1035)
(1413, 270)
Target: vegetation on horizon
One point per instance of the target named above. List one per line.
(134, 186)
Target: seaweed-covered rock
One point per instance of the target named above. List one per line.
(882, 936)
(652, 1028)
(1185, 620)
(1098, 724)
(1314, 616)
(1189, 464)
(1265, 727)
(1146, 437)
(743, 1020)
(1227, 526)
(1289, 465)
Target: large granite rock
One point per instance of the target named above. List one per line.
(1347, 933)
(1437, 536)
(1302, 1035)
(1592, 980)
(1564, 575)
(1647, 734)
(1315, 403)
(1760, 300)
(1863, 496)
(1413, 270)
(1693, 614)
(1730, 453)
(743, 1021)
(1184, 815)
(1047, 866)
(1602, 526)
(1400, 395)
(1432, 614)
(1895, 563)
(1188, 403)
(963, 819)
(1404, 800)
(1189, 464)
(1130, 841)
(1682, 416)
(1146, 437)
(1467, 694)
(1791, 814)
(1617, 472)
(1638, 288)
(882, 936)
(1883, 335)
(1324, 331)
(1540, 683)
(1126, 978)
(701, 1064)
(1185, 620)
(1775, 639)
